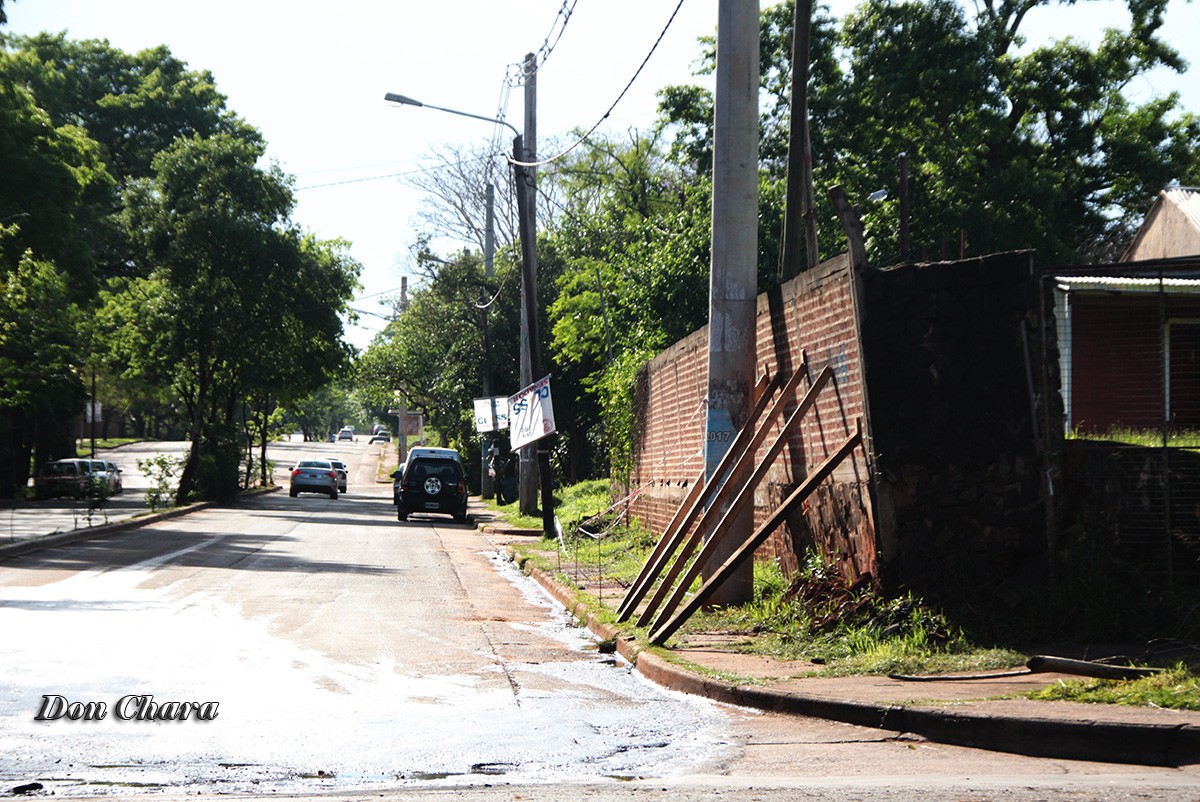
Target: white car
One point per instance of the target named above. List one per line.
(343, 473)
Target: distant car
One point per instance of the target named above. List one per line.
(314, 476)
(381, 437)
(107, 474)
(343, 472)
(433, 481)
(396, 476)
(63, 477)
(346, 434)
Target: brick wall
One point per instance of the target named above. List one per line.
(814, 315)
(946, 365)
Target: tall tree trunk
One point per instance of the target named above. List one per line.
(196, 403)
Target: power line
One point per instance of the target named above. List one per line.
(358, 180)
(516, 72)
(606, 114)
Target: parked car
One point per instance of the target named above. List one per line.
(343, 474)
(381, 437)
(396, 476)
(314, 476)
(107, 474)
(63, 477)
(433, 481)
(346, 434)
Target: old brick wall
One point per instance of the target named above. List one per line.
(814, 315)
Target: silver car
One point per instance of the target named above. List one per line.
(106, 474)
(314, 476)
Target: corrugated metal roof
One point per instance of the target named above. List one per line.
(1187, 199)
(1173, 286)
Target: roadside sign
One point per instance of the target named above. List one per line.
(531, 414)
(491, 414)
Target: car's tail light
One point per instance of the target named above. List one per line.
(332, 474)
(295, 471)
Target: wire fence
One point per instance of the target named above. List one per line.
(1129, 376)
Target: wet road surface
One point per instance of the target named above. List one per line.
(347, 653)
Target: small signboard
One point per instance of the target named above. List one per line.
(491, 414)
(413, 424)
(531, 414)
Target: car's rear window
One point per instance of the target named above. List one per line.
(312, 463)
(441, 468)
(61, 469)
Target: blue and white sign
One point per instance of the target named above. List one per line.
(531, 414)
(491, 414)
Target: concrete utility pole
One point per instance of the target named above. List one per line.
(733, 273)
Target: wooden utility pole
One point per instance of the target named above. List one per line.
(734, 270)
(799, 204)
(531, 362)
(486, 489)
(527, 191)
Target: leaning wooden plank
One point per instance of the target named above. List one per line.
(665, 544)
(719, 512)
(659, 635)
(711, 526)
(693, 504)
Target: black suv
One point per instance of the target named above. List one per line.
(432, 481)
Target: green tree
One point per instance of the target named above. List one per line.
(240, 293)
(134, 104)
(1036, 149)
(50, 173)
(40, 387)
(434, 352)
(633, 242)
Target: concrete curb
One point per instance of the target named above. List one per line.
(1078, 739)
(33, 544)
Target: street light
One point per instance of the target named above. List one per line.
(404, 100)
(525, 223)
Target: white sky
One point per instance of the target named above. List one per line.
(311, 76)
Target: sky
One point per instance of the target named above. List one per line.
(312, 75)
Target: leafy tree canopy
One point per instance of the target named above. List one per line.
(1017, 148)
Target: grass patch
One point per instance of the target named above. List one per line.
(844, 629)
(1177, 688)
(84, 447)
(1148, 438)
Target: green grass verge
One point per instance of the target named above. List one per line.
(813, 616)
(1177, 688)
(84, 447)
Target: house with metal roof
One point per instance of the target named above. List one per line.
(1129, 333)
(1171, 228)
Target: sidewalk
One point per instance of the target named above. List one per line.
(966, 712)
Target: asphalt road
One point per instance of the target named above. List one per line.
(343, 652)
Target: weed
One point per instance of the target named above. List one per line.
(1177, 688)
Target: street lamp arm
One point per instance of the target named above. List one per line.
(392, 97)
